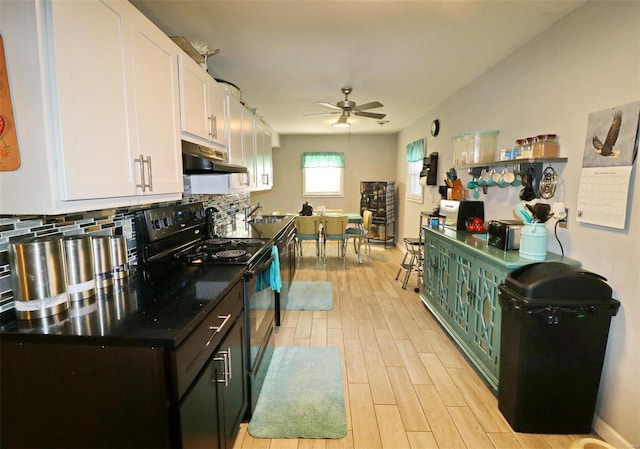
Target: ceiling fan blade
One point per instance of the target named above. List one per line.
(329, 105)
(322, 113)
(370, 114)
(372, 105)
(343, 119)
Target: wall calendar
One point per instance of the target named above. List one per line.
(610, 151)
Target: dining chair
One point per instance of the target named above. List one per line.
(307, 228)
(334, 228)
(360, 233)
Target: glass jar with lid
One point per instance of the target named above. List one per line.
(549, 146)
(536, 149)
(517, 150)
(527, 148)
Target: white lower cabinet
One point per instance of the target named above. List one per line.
(94, 87)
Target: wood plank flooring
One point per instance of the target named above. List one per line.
(406, 384)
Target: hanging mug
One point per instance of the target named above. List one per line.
(492, 178)
(506, 178)
(482, 179)
(517, 179)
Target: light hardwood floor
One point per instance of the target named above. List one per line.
(406, 384)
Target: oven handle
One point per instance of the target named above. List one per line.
(291, 237)
(261, 267)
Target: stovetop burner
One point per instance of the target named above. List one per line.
(229, 254)
(220, 251)
(217, 242)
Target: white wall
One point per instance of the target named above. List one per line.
(588, 61)
(367, 158)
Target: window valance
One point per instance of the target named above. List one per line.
(323, 159)
(415, 151)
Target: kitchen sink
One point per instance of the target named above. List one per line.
(268, 219)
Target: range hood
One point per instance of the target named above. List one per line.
(201, 160)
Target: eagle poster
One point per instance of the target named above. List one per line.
(610, 150)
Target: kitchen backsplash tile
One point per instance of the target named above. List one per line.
(102, 222)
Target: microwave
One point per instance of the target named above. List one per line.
(456, 213)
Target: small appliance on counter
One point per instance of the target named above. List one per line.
(456, 213)
(504, 234)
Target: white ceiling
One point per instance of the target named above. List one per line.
(288, 55)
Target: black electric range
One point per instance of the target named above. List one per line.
(174, 237)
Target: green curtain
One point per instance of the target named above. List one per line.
(323, 159)
(415, 151)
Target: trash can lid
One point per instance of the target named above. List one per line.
(556, 281)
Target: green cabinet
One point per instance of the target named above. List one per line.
(460, 288)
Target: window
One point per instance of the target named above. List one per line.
(322, 174)
(415, 154)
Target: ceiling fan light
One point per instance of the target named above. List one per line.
(341, 125)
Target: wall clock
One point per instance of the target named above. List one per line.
(435, 127)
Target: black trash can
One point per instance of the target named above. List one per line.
(555, 324)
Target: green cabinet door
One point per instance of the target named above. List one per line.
(484, 335)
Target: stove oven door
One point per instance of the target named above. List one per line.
(260, 318)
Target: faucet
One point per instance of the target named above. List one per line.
(248, 213)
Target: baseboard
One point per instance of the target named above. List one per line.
(608, 434)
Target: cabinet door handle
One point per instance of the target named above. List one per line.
(265, 179)
(145, 176)
(213, 132)
(150, 184)
(223, 357)
(142, 184)
(217, 329)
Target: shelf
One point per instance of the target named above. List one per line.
(540, 160)
(519, 165)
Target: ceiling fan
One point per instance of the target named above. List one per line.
(347, 107)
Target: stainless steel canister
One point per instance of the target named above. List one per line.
(38, 277)
(102, 260)
(78, 255)
(119, 259)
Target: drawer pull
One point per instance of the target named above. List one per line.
(218, 329)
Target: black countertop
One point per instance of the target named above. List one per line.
(138, 313)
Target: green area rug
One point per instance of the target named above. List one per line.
(310, 296)
(302, 395)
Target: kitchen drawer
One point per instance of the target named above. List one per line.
(188, 359)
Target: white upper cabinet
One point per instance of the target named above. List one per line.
(218, 113)
(157, 106)
(90, 71)
(95, 92)
(264, 157)
(203, 105)
(249, 146)
(242, 149)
